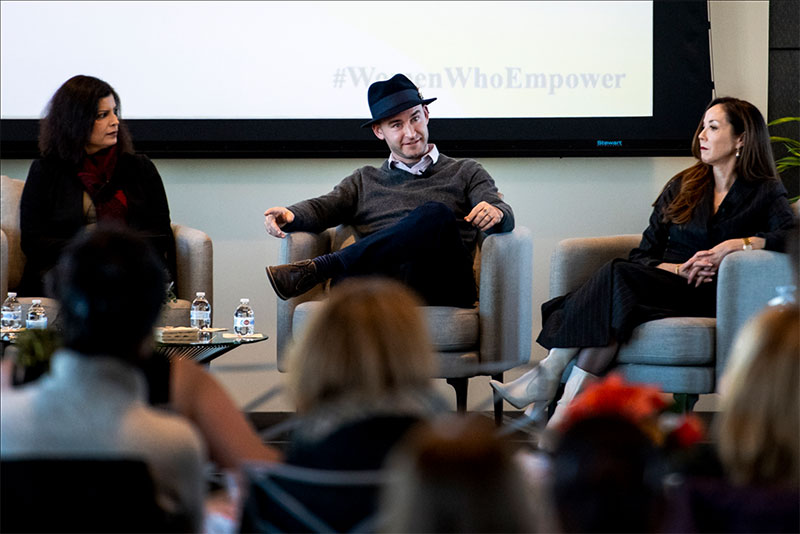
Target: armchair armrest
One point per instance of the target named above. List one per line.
(505, 298)
(575, 260)
(297, 246)
(747, 281)
(194, 256)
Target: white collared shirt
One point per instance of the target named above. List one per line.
(419, 167)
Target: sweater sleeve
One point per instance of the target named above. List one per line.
(334, 208)
(482, 187)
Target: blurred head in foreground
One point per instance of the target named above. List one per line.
(367, 341)
(758, 426)
(455, 475)
(110, 285)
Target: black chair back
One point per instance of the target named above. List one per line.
(81, 495)
(286, 498)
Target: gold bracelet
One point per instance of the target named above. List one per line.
(747, 244)
(678, 268)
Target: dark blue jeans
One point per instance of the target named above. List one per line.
(424, 250)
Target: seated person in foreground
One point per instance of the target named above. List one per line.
(93, 403)
(455, 474)
(88, 173)
(730, 201)
(757, 436)
(608, 476)
(361, 378)
(418, 214)
(361, 375)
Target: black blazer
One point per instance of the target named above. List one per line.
(51, 213)
(751, 208)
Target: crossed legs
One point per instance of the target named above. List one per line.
(424, 250)
(540, 385)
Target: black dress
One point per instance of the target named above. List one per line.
(626, 293)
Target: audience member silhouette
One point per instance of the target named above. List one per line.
(608, 477)
(361, 369)
(757, 437)
(455, 474)
(360, 375)
(93, 403)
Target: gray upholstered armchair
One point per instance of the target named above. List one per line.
(194, 254)
(679, 354)
(487, 340)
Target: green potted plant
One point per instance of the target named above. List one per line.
(792, 158)
(34, 349)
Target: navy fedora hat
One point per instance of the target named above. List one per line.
(390, 97)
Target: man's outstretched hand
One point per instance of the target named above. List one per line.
(275, 219)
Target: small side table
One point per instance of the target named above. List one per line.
(204, 351)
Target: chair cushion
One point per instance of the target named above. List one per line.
(672, 341)
(451, 329)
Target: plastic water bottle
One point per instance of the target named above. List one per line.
(200, 314)
(244, 319)
(37, 317)
(785, 296)
(12, 313)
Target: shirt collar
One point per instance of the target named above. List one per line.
(419, 167)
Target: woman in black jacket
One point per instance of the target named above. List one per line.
(88, 174)
(730, 200)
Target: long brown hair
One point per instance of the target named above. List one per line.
(755, 161)
(66, 127)
(758, 427)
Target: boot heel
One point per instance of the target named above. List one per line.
(537, 411)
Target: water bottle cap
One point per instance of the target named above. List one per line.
(201, 293)
(244, 301)
(36, 301)
(11, 294)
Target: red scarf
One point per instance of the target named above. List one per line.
(109, 200)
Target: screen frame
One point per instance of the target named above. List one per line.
(683, 86)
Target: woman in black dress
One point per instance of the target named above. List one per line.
(730, 200)
(88, 174)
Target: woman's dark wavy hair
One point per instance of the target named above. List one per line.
(65, 129)
(755, 161)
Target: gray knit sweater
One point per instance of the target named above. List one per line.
(373, 198)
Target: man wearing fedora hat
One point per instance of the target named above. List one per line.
(418, 214)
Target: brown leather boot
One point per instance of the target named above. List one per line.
(293, 279)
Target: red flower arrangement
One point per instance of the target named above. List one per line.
(642, 404)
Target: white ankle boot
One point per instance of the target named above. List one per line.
(539, 384)
(578, 381)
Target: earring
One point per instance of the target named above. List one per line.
(737, 151)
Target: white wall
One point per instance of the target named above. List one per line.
(555, 197)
